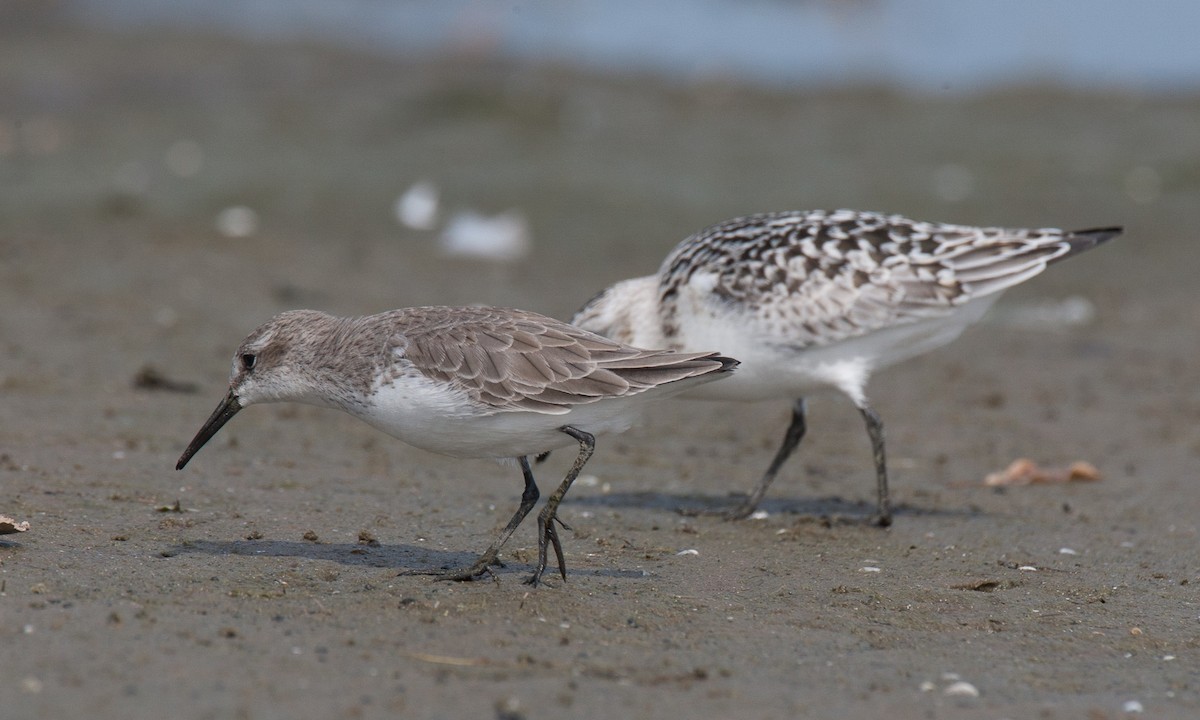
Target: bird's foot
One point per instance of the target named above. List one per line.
(741, 511)
(475, 571)
(549, 536)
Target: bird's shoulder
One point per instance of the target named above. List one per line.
(508, 359)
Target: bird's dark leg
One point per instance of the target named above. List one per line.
(883, 514)
(547, 533)
(791, 438)
(482, 565)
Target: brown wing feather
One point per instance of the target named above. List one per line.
(518, 360)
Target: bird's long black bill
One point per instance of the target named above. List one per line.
(227, 409)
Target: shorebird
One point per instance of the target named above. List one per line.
(472, 382)
(811, 299)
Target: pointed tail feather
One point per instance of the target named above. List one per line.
(1081, 240)
(727, 363)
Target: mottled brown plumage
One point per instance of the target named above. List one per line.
(809, 299)
(816, 278)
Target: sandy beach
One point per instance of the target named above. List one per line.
(261, 581)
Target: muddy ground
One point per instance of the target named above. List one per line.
(262, 580)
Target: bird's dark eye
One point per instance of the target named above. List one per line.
(248, 361)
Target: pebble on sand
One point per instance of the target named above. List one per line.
(417, 207)
(500, 238)
(237, 221)
(962, 688)
(9, 526)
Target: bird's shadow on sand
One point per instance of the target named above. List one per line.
(829, 509)
(407, 560)
(410, 560)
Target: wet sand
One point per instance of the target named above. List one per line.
(262, 581)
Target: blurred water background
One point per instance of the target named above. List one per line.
(919, 45)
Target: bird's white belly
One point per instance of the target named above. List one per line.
(771, 369)
(444, 420)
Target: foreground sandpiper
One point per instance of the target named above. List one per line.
(477, 382)
(809, 299)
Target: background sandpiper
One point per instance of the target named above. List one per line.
(810, 299)
(476, 382)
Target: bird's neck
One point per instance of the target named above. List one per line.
(627, 312)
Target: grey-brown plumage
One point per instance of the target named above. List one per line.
(517, 360)
(462, 381)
